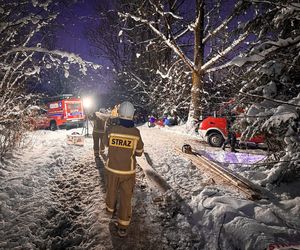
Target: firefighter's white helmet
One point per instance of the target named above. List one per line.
(126, 111)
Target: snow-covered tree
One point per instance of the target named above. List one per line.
(151, 49)
(133, 66)
(204, 40)
(271, 89)
(23, 57)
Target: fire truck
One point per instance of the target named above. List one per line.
(213, 129)
(65, 111)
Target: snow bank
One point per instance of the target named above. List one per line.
(30, 209)
(245, 224)
(226, 219)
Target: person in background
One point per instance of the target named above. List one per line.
(124, 143)
(175, 118)
(114, 111)
(114, 119)
(98, 132)
(151, 121)
(231, 138)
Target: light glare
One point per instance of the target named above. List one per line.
(87, 102)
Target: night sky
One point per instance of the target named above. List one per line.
(74, 21)
(76, 18)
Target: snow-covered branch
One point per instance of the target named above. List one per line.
(182, 33)
(224, 23)
(72, 58)
(167, 75)
(290, 103)
(259, 56)
(164, 13)
(216, 30)
(170, 43)
(224, 52)
(138, 80)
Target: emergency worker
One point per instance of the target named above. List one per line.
(114, 112)
(124, 143)
(98, 132)
(231, 138)
(114, 119)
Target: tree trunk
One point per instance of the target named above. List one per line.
(195, 105)
(197, 74)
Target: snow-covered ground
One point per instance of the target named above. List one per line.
(52, 197)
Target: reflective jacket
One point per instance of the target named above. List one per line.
(99, 124)
(124, 144)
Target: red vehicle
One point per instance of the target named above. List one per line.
(214, 131)
(39, 118)
(65, 111)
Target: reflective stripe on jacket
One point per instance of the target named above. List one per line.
(124, 144)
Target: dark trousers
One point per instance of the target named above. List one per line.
(231, 140)
(98, 143)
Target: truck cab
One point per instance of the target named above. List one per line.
(213, 130)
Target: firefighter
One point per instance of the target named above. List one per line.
(114, 112)
(98, 132)
(114, 119)
(124, 143)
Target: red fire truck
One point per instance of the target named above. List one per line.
(65, 111)
(214, 131)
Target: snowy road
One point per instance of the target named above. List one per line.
(52, 197)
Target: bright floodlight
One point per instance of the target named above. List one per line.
(87, 102)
